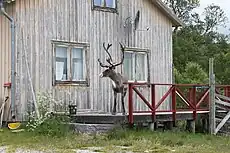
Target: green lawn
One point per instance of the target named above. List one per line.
(136, 141)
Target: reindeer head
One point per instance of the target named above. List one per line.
(111, 67)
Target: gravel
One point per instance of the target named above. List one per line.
(4, 150)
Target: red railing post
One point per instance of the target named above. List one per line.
(174, 103)
(153, 93)
(194, 102)
(227, 92)
(130, 104)
(228, 88)
(191, 96)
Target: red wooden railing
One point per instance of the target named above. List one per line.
(197, 98)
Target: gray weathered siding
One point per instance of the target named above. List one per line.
(41, 21)
(5, 52)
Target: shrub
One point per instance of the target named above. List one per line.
(47, 123)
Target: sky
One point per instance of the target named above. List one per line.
(224, 4)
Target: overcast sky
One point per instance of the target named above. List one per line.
(224, 4)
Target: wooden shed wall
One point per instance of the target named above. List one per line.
(40, 21)
(5, 51)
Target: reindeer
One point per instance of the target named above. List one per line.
(117, 78)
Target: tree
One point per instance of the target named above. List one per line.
(183, 8)
(200, 40)
(214, 17)
(188, 46)
(193, 74)
(222, 68)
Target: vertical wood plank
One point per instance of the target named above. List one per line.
(212, 106)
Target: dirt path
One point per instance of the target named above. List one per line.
(4, 150)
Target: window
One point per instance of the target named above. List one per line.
(136, 66)
(70, 63)
(105, 4)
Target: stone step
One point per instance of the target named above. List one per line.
(92, 128)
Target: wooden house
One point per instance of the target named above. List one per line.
(58, 42)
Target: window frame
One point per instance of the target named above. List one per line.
(146, 52)
(105, 8)
(70, 46)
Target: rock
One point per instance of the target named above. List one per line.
(91, 128)
(3, 149)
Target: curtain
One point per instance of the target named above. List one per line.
(105, 3)
(111, 3)
(128, 65)
(61, 63)
(140, 67)
(77, 67)
(98, 2)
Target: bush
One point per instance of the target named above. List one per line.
(47, 123)
(193, 74)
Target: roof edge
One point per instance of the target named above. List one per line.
(175, 20)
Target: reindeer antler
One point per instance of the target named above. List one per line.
(106, 49)
(109, 60)
(101, 64)
(123, 52)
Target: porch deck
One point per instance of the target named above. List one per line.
(108, 118)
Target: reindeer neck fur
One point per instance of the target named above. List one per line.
(117, 80)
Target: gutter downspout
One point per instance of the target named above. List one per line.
(2, 10)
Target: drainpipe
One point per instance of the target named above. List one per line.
(2, 11)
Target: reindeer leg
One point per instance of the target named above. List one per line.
(114, 103)
(125, 91)
(122, 100)
(123, 104)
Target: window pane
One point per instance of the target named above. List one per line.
(77, 67)
(140, 67)
(61, 63)
(111, 3)
(98, 2)
(128, 65)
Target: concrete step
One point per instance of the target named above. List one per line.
(92, 128)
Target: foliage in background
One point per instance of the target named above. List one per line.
(198, 41)
(183, 8)
(193, 74)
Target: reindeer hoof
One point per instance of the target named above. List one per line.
(124, 113)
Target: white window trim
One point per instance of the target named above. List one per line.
(139, 51)
(70, 45)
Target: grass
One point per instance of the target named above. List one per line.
(133, 140)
